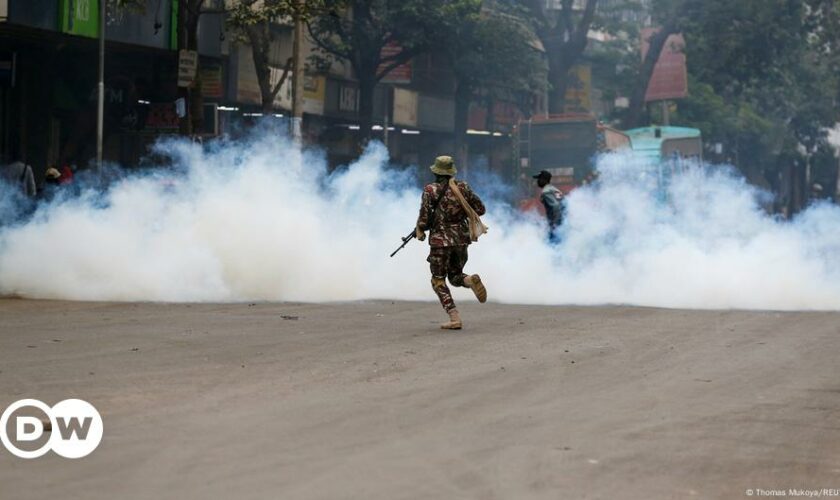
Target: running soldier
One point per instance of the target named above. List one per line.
(446, 220)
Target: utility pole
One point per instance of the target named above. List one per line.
(385, 131)
(297, 78)
(100, 105)
(837, 185)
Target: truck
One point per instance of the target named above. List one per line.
(566, 146)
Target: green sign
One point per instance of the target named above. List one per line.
(80, 17)
(173, 32)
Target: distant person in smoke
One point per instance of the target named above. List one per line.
(449, 210)
(52, 177)
(817, 192)
(20, 174)
(552, 199)
(52, 184)
(66, 174)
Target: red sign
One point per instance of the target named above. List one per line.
(669, 79)
(162, 116)
(400, 74)
(505, 114)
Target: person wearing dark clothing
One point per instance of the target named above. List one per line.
(20, 174)
(552, 200)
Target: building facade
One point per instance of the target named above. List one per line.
(49, 71)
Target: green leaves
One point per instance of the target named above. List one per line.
(358, 29)
(242, 13)
(494, 50)
(763, 73)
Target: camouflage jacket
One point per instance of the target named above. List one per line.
(450, 222)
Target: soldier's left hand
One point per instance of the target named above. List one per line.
(420, 235)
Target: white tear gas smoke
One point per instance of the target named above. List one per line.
(260, 220)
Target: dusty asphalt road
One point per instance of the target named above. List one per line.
(371, 401)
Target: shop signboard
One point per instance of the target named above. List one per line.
(80, 17)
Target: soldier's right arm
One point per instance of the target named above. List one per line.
(474, 201)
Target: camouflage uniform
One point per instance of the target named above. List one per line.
(449, 237)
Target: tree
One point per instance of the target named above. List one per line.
(493, 55)
(563, 30)
(670, 15)
(358, 30)
(762, 79)
(254, 19)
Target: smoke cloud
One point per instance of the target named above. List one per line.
(258, 219)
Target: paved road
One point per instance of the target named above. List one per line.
(371, 401)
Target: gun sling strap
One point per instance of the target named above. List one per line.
(477, 228)
(433, 215)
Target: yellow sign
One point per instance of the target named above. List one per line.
(313, 87)
(405, 107)
(314, 92)
(578, 93)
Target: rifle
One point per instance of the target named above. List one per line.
(405, 241)
(412, 234)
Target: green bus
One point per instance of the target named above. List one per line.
(664, 151)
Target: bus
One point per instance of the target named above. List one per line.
(666, 150)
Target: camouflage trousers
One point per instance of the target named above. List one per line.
(447, 262)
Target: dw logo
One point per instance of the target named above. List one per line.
(72, 428)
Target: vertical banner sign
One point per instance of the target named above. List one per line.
(211, 81)
(578, 93)
(4, 10)
(400, 74)
(669, 79)
(187, 67)
(283, 99)
(80, 17)
(405, 107)
(314, 92)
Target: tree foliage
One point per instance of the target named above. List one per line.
(493, 54)
(771, 67)
(358, 30)
(763, 78)
(494, 51)
(563, 29)
(253, 21)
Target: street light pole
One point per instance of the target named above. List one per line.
(100, 105)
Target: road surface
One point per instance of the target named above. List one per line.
(371, 401)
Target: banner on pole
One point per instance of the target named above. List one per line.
(669, 79)
(187, 67)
